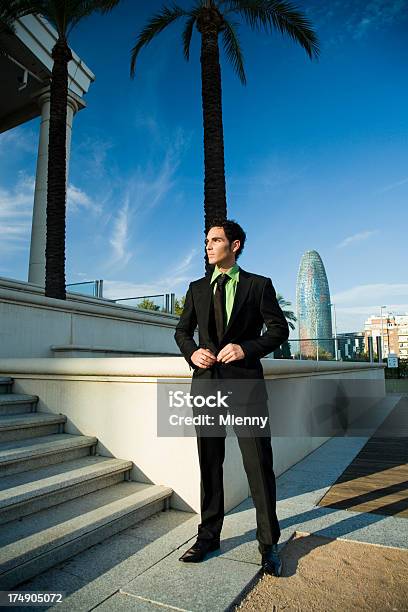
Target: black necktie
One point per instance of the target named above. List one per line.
(219, 305)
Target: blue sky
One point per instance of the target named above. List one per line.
(316, 158)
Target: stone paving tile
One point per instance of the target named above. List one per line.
(199, 587)
(362, 527)
(55, 580)
(138, 553)
(122, 602)
(105, 570)
(300, 493)
(367, 527)
(165, 523)
(334, 453)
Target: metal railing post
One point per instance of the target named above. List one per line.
(379, 349)
(370, 349)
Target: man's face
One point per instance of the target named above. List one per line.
(219, 250)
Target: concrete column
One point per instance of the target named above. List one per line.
(36, 270)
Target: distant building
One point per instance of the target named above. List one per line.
(393, 329)
(313, 307)
(350, 345)
(402, 322)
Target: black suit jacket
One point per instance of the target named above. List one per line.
(255, 304)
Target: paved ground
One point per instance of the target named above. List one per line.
(138, 569)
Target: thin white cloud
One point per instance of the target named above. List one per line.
(403, 181)
(358, 19)
(166, 283)
(113, 289)
(149, 123)
(376, 14)
(353, 320)
(16, 208)
(81, 274)
(20, 139)
(92, 154)
(375, 293)
(264, 180)
(185, 263)
(145, 190)
(177, 275)
(120, 236)
(359, 237)
(77, 199)
(151, 191)
(373, 309)
(355, 305)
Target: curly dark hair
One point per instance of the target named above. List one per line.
(233, 231)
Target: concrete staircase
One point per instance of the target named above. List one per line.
(57, 497)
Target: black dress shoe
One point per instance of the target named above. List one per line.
(199, 550)
(271, 561)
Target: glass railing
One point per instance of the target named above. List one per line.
(342, 348)
(162, 302)
(90, 288)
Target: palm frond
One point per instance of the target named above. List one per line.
(288, 314)
(279, 15)
(156, 24)
(187, 34)
(10, 10)
(79, 9)
(233, 49)
(281, 300)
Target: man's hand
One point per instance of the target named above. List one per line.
(230, 352)
(203, 358)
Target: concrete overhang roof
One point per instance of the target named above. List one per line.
(30, 49)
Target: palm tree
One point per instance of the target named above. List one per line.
(212, 18)
(289, 314)
(283, 351)
(64, 15)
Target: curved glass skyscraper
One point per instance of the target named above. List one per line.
(313, 307)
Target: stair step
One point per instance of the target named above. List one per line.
(5, 384)
(28, 492)
(35, 543)
(30, 425)
(17, 403)
(21, 455)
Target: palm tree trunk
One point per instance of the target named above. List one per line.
(215, 201)
(57, 181)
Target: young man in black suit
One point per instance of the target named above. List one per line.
(230, 307)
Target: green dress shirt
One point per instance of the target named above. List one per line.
(230, 287)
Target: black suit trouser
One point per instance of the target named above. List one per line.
(257, 458)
